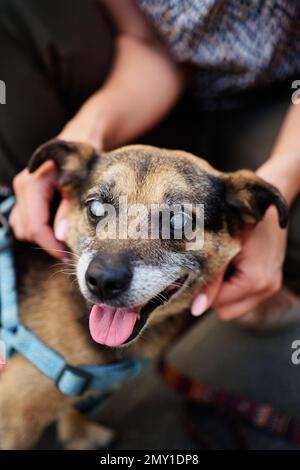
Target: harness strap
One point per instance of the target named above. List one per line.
(70, 380)
(8, 293)
(9, 317)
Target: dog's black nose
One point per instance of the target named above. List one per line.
(107, 279)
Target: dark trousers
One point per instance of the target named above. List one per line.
(55, 53)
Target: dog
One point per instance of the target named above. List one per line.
(132, 297)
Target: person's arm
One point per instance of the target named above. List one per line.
(258, 267)
(283, 167)
(143, 85)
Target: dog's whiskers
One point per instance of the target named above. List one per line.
(63, 271)
(186, 286)
(68, 252)
(160, 298)
(193, 269)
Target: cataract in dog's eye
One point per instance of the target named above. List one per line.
(95, 208)
(179, 221)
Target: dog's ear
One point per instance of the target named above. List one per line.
(73, 160)
(247, 199)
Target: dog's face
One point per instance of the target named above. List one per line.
(136, 280)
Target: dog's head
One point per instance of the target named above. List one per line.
(133, 276)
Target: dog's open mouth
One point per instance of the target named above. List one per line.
(115, 326)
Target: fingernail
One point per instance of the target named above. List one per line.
(199, 305)
(61, 230)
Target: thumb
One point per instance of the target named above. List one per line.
(61, 220)
(203, 301)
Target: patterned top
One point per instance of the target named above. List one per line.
(235, 44)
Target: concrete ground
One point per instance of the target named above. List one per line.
(147, 415)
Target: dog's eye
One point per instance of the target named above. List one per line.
(95, 208)
(180, 221)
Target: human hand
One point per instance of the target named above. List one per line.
(30, 216)
(34, 192)
(257, 273)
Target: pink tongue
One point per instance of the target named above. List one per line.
(110, 325)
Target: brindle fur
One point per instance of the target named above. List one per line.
(52, 305)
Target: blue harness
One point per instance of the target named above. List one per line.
(70, 380)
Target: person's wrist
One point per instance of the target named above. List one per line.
(91, 123)
(79, 129)
(108, 123)
(283, 172)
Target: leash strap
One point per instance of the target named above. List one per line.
(70, 380)
(260, 415)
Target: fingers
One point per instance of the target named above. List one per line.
(16, 224)
(237, 287)
(235, 310)
(244, 282)
(45, 238)
(258, 270)
(243, 292)
(204, 300)
(40, 234)
(237, 296)
(29, 218)
(61, 222)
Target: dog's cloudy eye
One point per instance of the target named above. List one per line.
(96, 208)
(179, 221)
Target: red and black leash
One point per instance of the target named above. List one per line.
(236, 408)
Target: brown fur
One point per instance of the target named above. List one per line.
(52, 306)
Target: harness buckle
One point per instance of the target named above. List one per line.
(73, 381)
